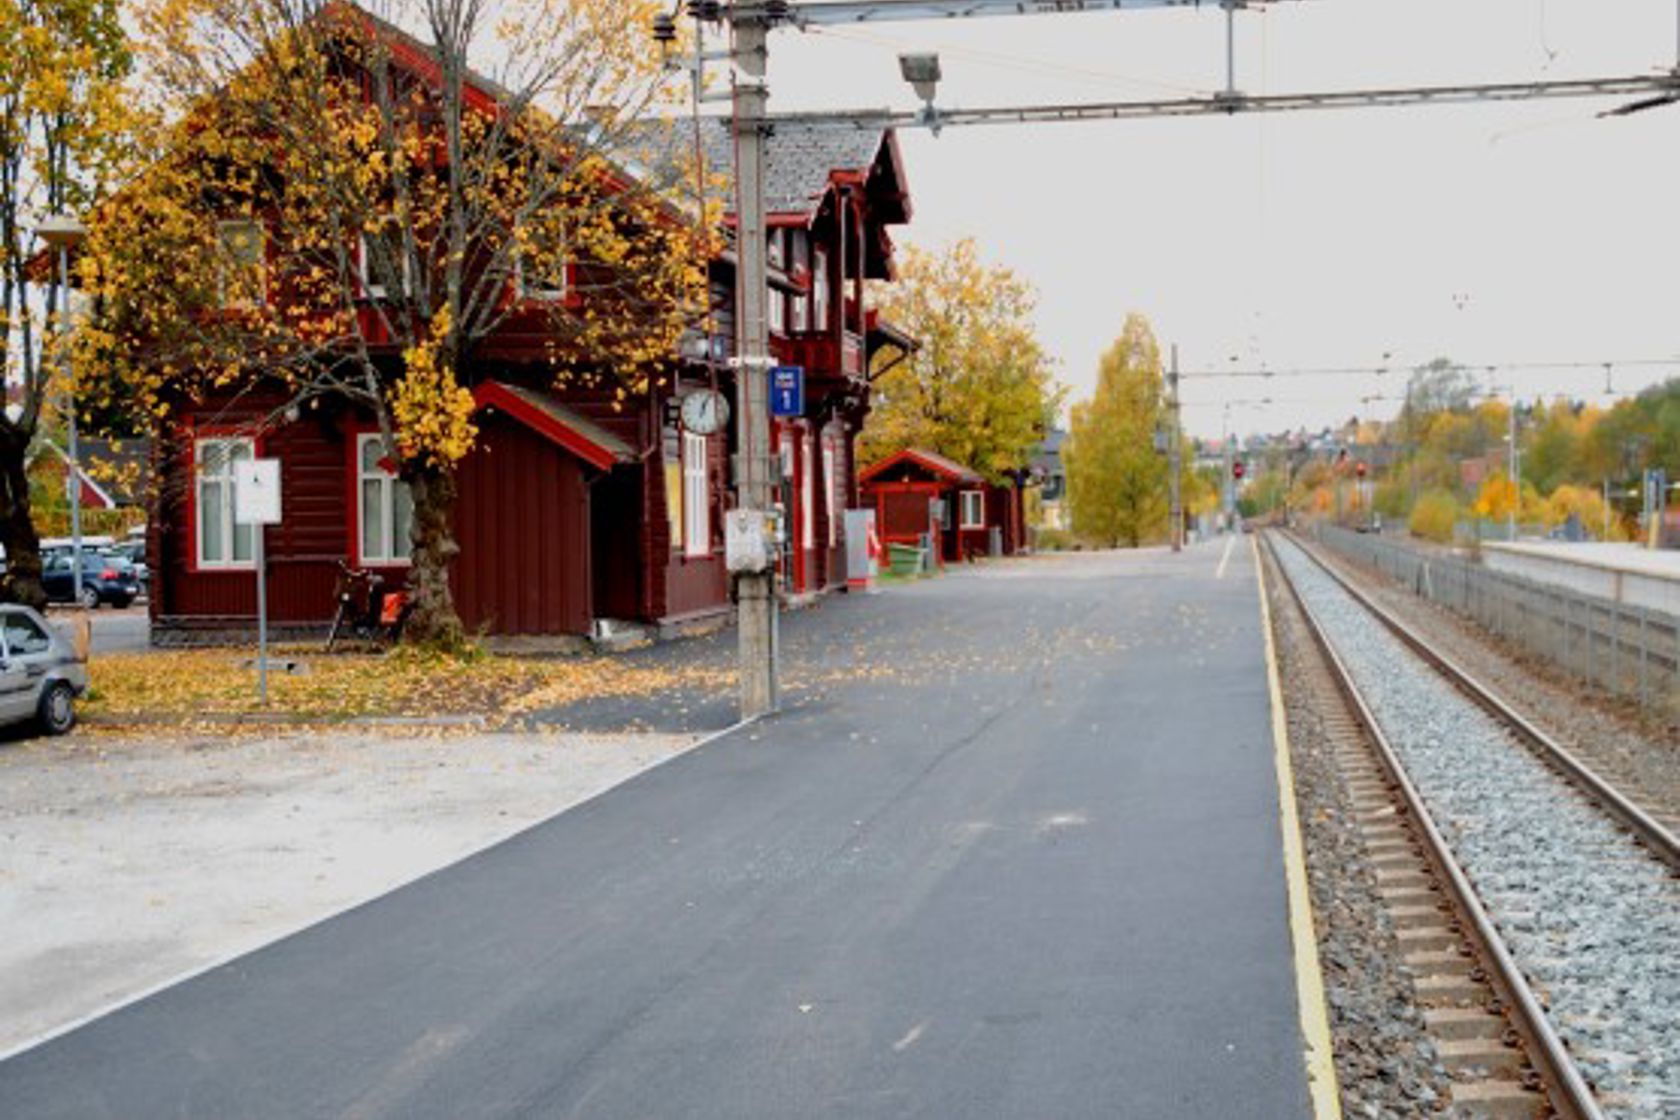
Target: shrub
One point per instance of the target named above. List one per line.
(1434, 516)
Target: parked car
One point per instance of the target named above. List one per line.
(40, 675)
(135, 553)
(105, 579)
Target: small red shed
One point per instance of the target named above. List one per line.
(916, 492)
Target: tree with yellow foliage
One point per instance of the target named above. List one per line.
(979, 389)
(347, 211)
(1117, 479)
(62, 64)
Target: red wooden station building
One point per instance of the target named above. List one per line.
(573, 515)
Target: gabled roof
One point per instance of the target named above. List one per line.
(544, 414)
(948, 469)
(800, 163)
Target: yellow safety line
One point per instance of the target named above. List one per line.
(1309, 980)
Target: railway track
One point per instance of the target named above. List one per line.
(1537, 907)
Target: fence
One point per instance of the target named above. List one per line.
(1626, 650)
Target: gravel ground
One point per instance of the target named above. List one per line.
(1641, 754)
(1385, 1062)
(1593, 922)
(126, 862)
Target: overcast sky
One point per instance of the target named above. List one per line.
(1488, 234)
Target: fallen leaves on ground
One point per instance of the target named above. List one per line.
(190, 686)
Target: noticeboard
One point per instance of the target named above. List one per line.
(256, 492)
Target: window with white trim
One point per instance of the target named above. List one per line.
(382, 256)
(833, 492)
(697, 508)
(539, 266)
(384, 506)
(799, 253)
(242, 270)
(222, 542)
(819, 290)
(807, 507)
(778, 309)
(973, 510)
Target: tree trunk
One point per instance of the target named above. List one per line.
(22, 581)
(433, 620)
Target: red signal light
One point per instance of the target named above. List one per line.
(1237, 469)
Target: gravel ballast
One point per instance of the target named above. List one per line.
(1593, 921)
(1386, 1064)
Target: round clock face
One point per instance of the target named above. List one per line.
(705, 412)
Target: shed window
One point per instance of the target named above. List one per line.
(696, 496)
(222, 541)
(973, 510)
(384, 506)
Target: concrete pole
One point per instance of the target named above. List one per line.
(1175, 457)
(755, 591)
(75, 457)
(1516, 485)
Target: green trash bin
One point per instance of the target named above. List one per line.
(905, 559)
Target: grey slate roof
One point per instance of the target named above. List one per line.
(799, 160)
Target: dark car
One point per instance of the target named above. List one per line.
(105, 579)
(135, 553)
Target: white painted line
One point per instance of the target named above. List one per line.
(1230, 543)
(193, 973)
(910, 1038)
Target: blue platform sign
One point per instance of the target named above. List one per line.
(787, 391)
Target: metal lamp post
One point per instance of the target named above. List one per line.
(63, 233)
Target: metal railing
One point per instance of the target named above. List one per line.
(1625, 650)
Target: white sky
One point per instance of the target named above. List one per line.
(1490, 234)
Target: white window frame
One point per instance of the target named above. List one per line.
(819, 290)
(223, 514)
(224, 298)
(778, 311)
(524, 291)
(978, 499)
(365, 272)
(807, 500)
(696, 495)
(389, 486)
(832, 486)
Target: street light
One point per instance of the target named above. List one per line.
(63, 233)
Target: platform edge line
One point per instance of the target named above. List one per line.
(1322, 1086)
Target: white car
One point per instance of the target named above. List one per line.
(40, 674)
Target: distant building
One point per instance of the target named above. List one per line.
(1050, 472)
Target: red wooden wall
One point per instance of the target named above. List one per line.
(523, 523)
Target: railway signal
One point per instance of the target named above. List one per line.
(1238, 470)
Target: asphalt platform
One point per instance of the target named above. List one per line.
(1012, 850)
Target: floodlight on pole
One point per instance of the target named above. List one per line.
(922, 71)
(63, 233)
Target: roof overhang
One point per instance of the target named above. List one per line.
(546, 416)
(946, 469)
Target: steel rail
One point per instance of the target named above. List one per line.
(1646, 829)
(1568, 1089)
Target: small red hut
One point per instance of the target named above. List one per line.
(917, 493)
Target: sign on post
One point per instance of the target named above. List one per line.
(787, 391)
(256, 491)
(256, 502)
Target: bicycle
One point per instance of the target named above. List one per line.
(366, 611)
